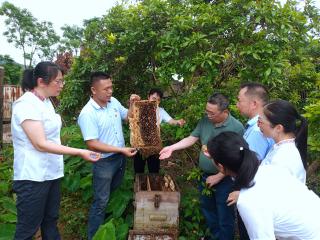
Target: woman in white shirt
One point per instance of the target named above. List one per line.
(38, 153)
(272, 203)
(281, 122)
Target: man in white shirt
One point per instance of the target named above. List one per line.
(153, 161)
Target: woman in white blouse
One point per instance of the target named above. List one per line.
(281, 122)
(38, 153)
(272, 203)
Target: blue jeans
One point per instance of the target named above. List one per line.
(37, 207)
(107, 175)
(220, 218)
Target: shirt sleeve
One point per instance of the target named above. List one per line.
(89, 127)
(26, 111)
(122, 110)
(257, 219)
(197, 131)
(164, 116)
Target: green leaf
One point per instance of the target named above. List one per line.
(122, 231)
(86, 181)
(9, 205)
(74, 182)
(4, 186)
(267, 73)
(256, 56)
(7, 231)
(8, 218)
(118, 203)
(106, 231)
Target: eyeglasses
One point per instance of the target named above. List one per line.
(212, 114)
(59, 81)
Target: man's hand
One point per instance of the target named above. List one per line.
(214, 179)
(129, 152)
(166, 152)
(134, 97)
(233, 198)
(181, 122)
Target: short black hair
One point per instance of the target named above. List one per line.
(97, 76)
(220, 100)
(256, 90)
(157, 91)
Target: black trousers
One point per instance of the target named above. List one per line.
(37, 206)
(153, 163)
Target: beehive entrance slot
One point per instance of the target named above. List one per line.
(155, 182)
(151, 182)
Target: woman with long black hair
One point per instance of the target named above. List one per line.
(272, 203)
(282, 122)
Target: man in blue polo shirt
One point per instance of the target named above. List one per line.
(100, 121)
(251, 99)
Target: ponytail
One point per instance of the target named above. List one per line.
(302, 139)
(247, 170)
(28, 81)
(231, 151)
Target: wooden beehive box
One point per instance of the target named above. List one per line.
(156, 203)
(153, 235)
(144, 127)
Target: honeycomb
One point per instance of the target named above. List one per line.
(144, 130)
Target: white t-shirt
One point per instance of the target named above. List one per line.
(279, 207)
(285, 154)
(163, 116)
(29, 163)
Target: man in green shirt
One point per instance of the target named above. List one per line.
(219, 217)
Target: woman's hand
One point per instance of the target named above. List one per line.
(89, 155)
(214, 179)
(233, 198)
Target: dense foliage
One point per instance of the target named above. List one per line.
(189, 48)
(8, 212)
(12, 70)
